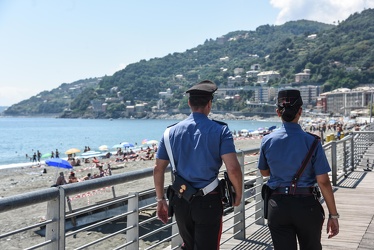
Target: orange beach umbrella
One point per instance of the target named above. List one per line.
(72, 151)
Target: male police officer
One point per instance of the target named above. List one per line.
(199, 145)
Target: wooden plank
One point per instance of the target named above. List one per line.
(355, 203)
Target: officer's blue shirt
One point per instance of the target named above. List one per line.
(197, 144)
(282, 151)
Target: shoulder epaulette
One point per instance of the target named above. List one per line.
(314, 135)
(219, 122)
(172, 124)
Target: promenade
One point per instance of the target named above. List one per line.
(46, 208)
(355, 202)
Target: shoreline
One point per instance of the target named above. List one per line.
(42, 164)
(13, 175)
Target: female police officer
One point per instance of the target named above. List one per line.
(297, 214)
(198, 145)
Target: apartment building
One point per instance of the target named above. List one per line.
(345, 101)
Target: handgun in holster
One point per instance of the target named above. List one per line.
(222, 191)
(170, 193)
(316, 192)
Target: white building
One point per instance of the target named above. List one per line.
(166, 94)
(302, 77)
(232, 80)
(265, 76)
(344, 101)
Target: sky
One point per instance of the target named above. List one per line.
(44, 43)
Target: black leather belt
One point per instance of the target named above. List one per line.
(298, 190)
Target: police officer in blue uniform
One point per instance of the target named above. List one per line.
(296, 215)
(199, 145)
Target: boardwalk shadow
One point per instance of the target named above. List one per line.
(352, 180)
(261, 239)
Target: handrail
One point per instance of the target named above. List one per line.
(344, 155)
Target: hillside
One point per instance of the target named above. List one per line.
(338, 56)
(54, 102)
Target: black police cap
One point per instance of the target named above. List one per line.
(204, 88)
(289, 97)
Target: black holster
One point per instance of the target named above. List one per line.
(170, 194)
(266, 193)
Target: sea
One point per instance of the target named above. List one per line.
(24, 136)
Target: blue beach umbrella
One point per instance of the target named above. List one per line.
(272, 128)
(58, 163)
(127, 144)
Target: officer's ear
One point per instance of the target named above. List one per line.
(278, 112)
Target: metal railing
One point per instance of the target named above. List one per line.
(131, 215)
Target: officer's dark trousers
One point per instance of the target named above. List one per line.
(200, 222)
(295, 217)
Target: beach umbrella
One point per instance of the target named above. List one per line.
(117, 146)
(144, 141)
(150, 142)
(90, 154)
(127, 144)
(103, 148)
(47, 155)
(272, 128)
(72, 151)
(58, 163)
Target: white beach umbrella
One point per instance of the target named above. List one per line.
(103, 148)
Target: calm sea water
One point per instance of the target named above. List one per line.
(21, 136)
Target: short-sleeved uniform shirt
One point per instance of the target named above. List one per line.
(197, 144)
(283, 151)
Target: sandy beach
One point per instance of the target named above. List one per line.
(20, 180)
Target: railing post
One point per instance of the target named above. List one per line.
(55, 231)
(352, 153)
(177, 240)
(133, 221)
(259, 217)
(345, 157)
(334, 167)
(239, 218)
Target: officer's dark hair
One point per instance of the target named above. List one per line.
(200, 101)
(289, 102)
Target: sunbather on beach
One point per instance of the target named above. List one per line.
(60, 180)
(88, 177)
(72, 178)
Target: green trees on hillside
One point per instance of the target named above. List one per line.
(337, 56)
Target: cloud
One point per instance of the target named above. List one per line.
(325, 11)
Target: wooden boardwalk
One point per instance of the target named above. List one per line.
(355, 202)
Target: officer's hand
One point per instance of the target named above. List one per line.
(162, 211)
(238, 199)
(332, 227)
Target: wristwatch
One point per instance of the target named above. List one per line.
(334, 216)
(160, 199)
